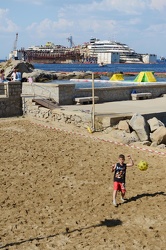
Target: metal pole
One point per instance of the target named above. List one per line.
(93, 103)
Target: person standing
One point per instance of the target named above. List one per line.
(13, 75)
(2, 75)
(18, 75)
(119, 170)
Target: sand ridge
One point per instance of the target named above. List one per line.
(56, 192)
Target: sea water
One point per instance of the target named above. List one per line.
(159, 67)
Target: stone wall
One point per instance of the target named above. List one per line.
(36, 111)
(10, 99)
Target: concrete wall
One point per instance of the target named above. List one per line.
(61, 93)
(10, 99)
(122, 93)
(64, 94)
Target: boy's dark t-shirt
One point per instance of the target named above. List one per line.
(120, 173)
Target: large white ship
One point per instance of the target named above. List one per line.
(127, 55)
(95, 51)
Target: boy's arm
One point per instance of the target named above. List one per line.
(113, 167)
(131, 163)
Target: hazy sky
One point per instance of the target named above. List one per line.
(141, 24)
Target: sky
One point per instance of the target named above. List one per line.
(141, 24)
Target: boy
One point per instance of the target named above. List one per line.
(119, 170)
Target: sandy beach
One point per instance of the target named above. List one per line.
(56, 192)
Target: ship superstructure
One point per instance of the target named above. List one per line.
(127, 55)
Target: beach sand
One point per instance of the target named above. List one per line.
(56, 192)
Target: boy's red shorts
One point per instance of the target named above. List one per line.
(119, 186)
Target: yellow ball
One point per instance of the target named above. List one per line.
(143, 165)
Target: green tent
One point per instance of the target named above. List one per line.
(145, 76)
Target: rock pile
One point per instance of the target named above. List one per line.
(28, 71)
(56, 115)
(138, 130)
(10, 65)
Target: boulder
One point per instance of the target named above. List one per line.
(11, 64)
(154, 144)
(159, 135)
(124, 137)
(161, 146)
(124, 125)
(140, 126)
(154, 124)
(27, 70)
(130, 138)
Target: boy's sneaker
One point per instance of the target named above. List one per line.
(115, 204)
(122, 199)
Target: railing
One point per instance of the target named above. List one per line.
(33, 85)
(45, 94)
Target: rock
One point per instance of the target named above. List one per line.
(27, 70)
(124, 125)
(105, 121)
(161, 146)
(159, 135)
(123, 136)
(146, 143)
(130, 138)
(44, 78)
(153, 144)
(140, 144)
(108, 130)
(154, 123)
(10, 65)
(140, 126)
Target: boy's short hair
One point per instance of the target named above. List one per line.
(122, 156)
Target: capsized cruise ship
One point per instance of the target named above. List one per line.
(126, 54)
(94, 51)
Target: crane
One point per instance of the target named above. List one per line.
(70, 39)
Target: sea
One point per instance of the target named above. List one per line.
(158, 67)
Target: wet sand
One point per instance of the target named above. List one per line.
(56, 193)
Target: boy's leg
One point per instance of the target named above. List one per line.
(122, 195)
(114, 198)
(123, 191)
(114, 195)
